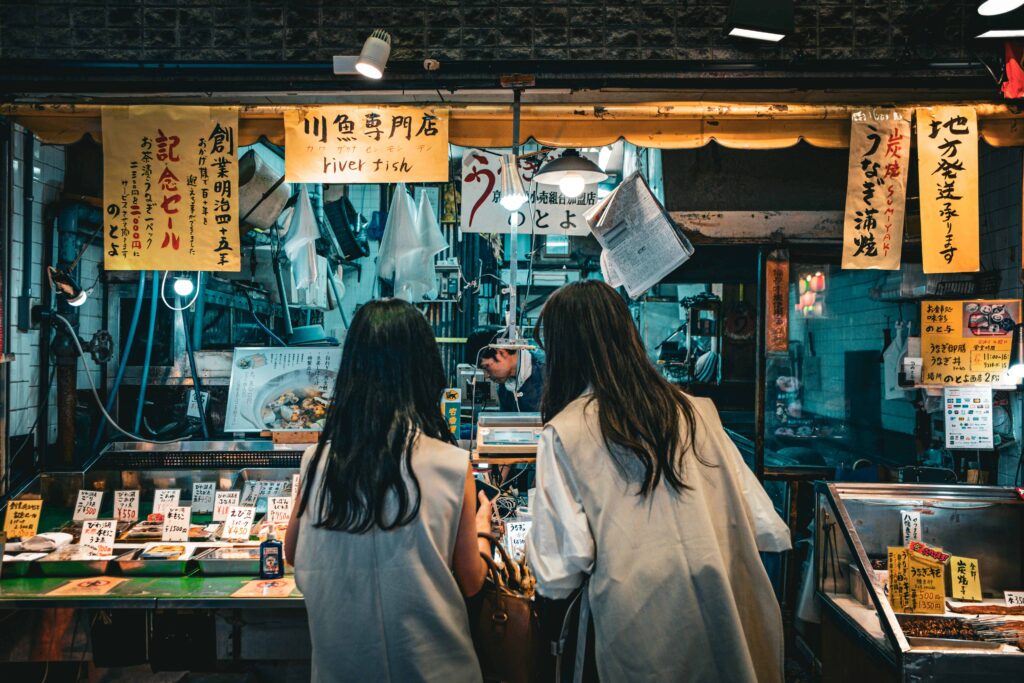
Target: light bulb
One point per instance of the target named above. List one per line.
(513, 201)
(184, 286)
(369, 70)
(572, 185)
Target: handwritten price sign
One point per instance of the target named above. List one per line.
(176, 524)
(223, 502)
(87, 506)
(238, 524)
(22, 518)
(163, 499)
(98, 536)
(126, 505)
(279, 509)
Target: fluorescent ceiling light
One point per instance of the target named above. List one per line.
(1003, 33)
(991, 8)
(768, 20)
(756, 35)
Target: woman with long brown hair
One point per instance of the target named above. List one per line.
(642, 495)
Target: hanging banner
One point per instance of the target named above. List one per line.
(777, 303)
(876, 190)
(366, 144)
(170, 188)
(967, 342)
(947, 166)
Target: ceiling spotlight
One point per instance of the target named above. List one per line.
(571, 172)
(513, 195)
(770, 20)
(991, 8)
(183, 285)
(374, 56)
(65, 285)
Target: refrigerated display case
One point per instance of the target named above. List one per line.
(863, 637)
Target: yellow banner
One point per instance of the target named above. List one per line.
(876, 190)
(967, 342)
(947, 165)
(366, 144)
(170, 188)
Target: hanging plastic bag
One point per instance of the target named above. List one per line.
(301, 245)
(411, 240)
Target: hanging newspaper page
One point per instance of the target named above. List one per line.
(170, 188)
(876, 190)
(642, 244)
(281, 389)
(947, 166)
(547, 212)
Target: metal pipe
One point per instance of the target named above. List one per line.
(154, 297)
(761, 367)
(197, 321)
(27, 206)
(6, 174)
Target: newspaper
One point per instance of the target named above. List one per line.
(641, 244)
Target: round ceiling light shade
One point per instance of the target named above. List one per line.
(374, 55)
(570, 163)
(991, 8)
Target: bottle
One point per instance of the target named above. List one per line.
(271, 557)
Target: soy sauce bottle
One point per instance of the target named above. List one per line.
(271, 557)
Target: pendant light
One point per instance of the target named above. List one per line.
(571, 172)
(513, 195)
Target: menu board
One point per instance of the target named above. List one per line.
(917, 584)
(967, 342)
(22, 518)
(281, 389)
(968, 417)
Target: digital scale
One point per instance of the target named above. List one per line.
(508, 434)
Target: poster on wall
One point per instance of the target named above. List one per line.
(947, 165)
(967, 342)
(546, 212)
(280, 389)
(777, 302)
(170, 188)
(366, 144)
(968, 417)
(876, 190)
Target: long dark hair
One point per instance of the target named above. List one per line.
(590, 340)
(388, 389)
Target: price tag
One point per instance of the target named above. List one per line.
(917, 582)
(126, 505)
(222, 502)
(22, 518)
(273, 488)
(515, 538)
(87, 506)
(910, 525)
(238, 524)
(202, 497)
(965, 579)
(176, 523)
(1014, 598)
(296, 483)
(279, 509)
(98, 536)
(164, 499)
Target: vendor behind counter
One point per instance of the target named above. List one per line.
(519, 375)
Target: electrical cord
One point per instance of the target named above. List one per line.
(196, 386)
(259, 323)
(96, 393)
(163, 296)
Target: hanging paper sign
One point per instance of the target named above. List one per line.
(968, 418)
(366, 144)
(98, 537)
(22, 518)
(917, 583)
(876, 190)
(777, 303)
(947, 164)
(967, 342)
(965, 579)
(170, 188)
(202, 497)
(126, 505)
(87, 505)
(547, 211)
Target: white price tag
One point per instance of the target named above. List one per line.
(126, 505)
(296, 483)
(1014, 598)
(279, 509)
(202, 497)
(87, 506)
(176, 523)
(164, 499)
(98, 537)
(910, 525)
(238, 524)
(273, 488)
(250, 493)
(515, 538)
(222, 502)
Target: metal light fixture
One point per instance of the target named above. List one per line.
(65, 285)
(375, 53)
(770, 20)
(513, 195)
(571, 173)
(991, 8)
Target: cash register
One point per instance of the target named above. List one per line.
(508, 434)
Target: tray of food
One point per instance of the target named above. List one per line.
(237, 561)
(157, 559)
(19, 565)
(73, 560)
(153, 530)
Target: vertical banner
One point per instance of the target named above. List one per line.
(170, 188)
(967, 342)
(947, 166)
(777, 302)
(876, 190)
(366, 144)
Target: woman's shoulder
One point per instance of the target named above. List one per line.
(429, 444)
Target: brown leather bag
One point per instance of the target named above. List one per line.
(507, 630)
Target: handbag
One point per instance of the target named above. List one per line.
(507, 630)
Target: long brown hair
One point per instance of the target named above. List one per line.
(590, 340)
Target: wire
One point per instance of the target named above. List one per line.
(30, 437)
(196, 386)
(163, 287)
(96, 393)
(259, 323)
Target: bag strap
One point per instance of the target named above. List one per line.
(582, 623)
(581, 637)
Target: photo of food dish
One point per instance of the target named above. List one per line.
(295, 401)
(166, 551)
(990, 319)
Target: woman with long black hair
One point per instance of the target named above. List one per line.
(384, 537)
(642, 495)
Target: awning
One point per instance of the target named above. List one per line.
(665, 125)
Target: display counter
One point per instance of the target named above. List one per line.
(921, 632)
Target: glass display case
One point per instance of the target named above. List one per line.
(867, 634)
